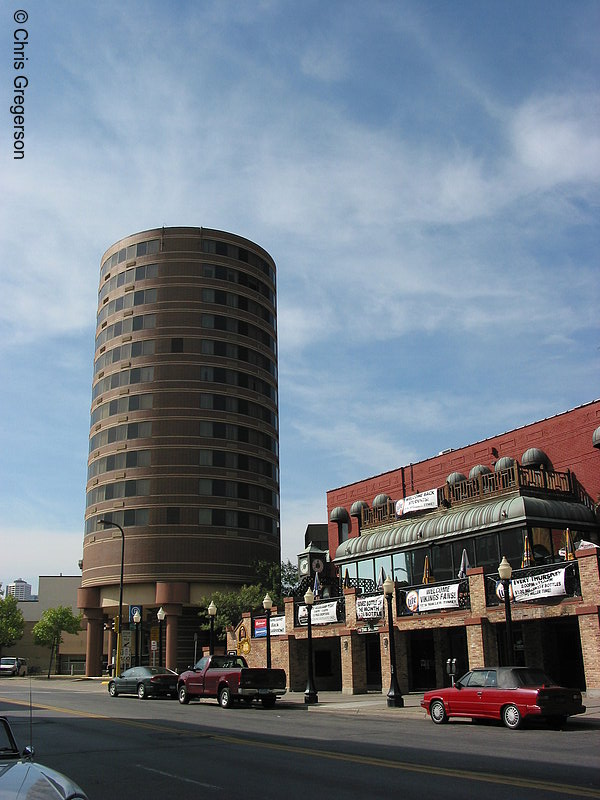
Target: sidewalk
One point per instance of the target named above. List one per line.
(375, 704)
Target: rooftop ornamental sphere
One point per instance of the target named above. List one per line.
(534, 458)
(596, 438)
(381, 500)
(479, 469)
(339, 514)
(455, 477)
(506, 462)
(357, 507)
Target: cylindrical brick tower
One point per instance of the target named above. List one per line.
(183, 452)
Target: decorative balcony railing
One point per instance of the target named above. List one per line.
(487, 486)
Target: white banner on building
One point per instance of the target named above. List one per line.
(369, 607)
(544, 584)
(433, 598)
(322, 614)
(417, 502)
(278, 626)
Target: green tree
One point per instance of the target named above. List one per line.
(53, 623)
(276, 579)
(230, 606)
(12, 622)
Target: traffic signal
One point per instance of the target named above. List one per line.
(115, 624)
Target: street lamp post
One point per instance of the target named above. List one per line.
(310, 693)
(268, 605)
(505, 573)
(394, 695)
(160, 615)
(137, 618)
(212, 613)
(110, 524)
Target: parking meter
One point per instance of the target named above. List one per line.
(451, 668)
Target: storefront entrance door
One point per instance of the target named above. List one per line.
(373, 659)
(422, 661)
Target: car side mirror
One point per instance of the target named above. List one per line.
(28, 752)
(458, 685)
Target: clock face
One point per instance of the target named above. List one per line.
(303, 567)
(317, 565)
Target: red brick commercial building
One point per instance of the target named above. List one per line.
(439, 529)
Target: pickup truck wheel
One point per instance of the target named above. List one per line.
(225, 699)
(268, 702)
(183, 696)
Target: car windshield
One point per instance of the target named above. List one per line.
(9, 661)
(8, 745)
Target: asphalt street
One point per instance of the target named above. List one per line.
(350, 746)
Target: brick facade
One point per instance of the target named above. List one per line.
(483, 626)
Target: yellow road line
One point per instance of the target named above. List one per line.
(404, 766)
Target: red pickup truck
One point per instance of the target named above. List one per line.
(230, 679)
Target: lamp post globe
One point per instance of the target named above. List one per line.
(268, 605)
(394, 695)
(212, 613)
(505, 573)
(137, 618)
(108, 523)
(160, 615)
(310, 693)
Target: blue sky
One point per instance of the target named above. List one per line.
(425, 175)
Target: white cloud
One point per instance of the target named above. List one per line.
(557, 139)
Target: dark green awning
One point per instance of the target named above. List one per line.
(495, 515)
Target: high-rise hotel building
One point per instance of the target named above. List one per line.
(183, 448)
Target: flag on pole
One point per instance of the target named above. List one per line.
(569, 548)
(317, 586)
(527, 559)
(427, 576)
(464, 564)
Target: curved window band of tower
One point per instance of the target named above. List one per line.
(184, 418)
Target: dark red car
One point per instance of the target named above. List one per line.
(510, 694)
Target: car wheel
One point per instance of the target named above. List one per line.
(511, 717)
(182, 695)
(112, 689)
(225, 700)
(142, 692)
(268, 702)
(437, 712)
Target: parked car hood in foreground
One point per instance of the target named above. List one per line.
(23, 780)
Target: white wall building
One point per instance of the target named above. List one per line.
(20, 589)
